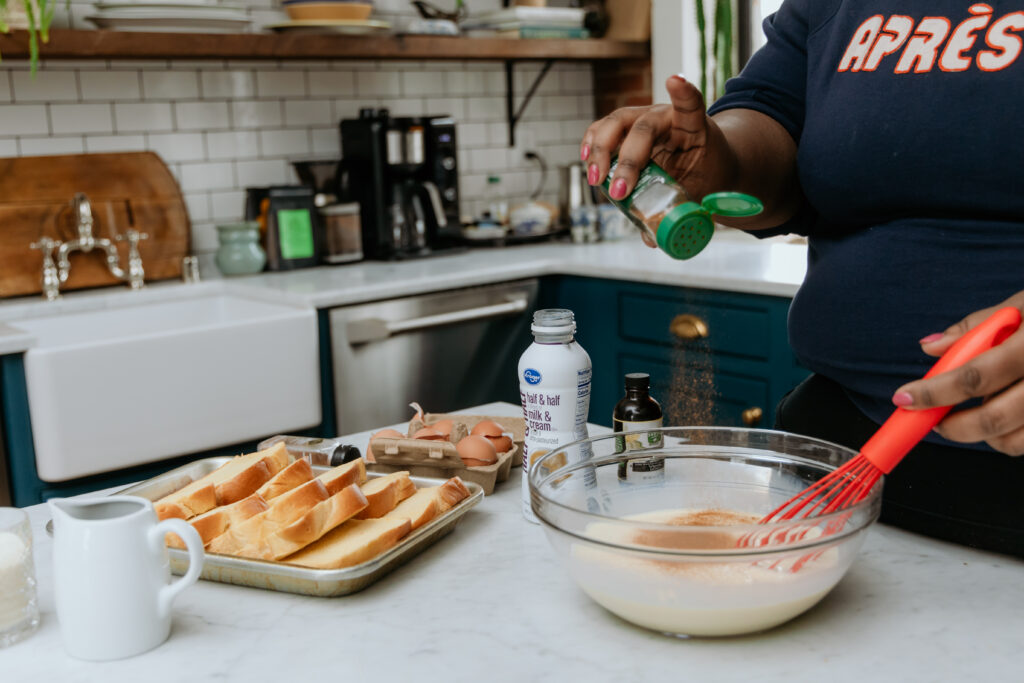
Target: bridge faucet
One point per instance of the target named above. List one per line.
(54, 276)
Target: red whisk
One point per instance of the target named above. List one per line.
(852, 482)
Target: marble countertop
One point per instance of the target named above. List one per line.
(490, 602)
(733, 261)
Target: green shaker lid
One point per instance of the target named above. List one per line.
(685, 231)
(732, 204)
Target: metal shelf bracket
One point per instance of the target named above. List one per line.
(512, 113)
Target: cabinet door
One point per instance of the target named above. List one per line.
(704, 391)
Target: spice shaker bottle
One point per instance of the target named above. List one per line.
(681, 227)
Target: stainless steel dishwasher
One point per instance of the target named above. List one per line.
(445, 350)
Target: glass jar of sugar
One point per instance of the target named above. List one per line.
(19, 613)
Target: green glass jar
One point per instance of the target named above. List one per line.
(660, 207)
(240, 252)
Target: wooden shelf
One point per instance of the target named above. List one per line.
(68, 44)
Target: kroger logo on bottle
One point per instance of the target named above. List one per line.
(531, 376)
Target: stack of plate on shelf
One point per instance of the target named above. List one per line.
(329, 16)
(177, 16)
(527, 22)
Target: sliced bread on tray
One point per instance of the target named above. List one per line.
(343, 476)
(352, 543)
(384, 493)
(236, 479)
(283, 510)
(293, 476)
(212, 524)
(323, 517)
(428, 503)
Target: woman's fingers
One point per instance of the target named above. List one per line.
(602, 138)
(999, 422)
(989, 373)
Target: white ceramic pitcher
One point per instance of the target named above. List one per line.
(112, 575)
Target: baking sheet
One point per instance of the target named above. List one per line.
(290, 578)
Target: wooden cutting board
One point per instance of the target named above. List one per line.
(126, 190)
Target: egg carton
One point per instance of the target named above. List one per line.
(514, 426)
(434, 458)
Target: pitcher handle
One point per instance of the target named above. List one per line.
(194, 544)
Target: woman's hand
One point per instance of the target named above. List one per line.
(996, 375)
(736, 150)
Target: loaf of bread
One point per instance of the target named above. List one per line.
(343, 476)
(236, 479)
(296, 474)
(426, 504)
(383, 494)
(352, 543)
(212, 524)
(247, 537)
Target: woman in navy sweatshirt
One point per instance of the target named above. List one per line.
(889, 132)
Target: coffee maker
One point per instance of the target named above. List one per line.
(403, 173)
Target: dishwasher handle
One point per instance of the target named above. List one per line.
(369, 330)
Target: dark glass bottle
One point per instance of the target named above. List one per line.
(633, 416)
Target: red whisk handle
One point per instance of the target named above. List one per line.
(905, 428)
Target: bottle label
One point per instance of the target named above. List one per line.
(635, 436)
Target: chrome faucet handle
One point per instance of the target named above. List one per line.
(136, 273)
(83, 217)
(51, 277)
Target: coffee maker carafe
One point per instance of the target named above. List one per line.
(403, 173)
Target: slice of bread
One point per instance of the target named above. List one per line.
(426, 504)
(323, 517)
(352, 543)
(383, 494)
(247, 538)
(296, 474)
(212, 524)
(236, 479)
(343, 476)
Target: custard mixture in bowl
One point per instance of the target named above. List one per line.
(679, 549)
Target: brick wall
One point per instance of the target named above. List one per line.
(625, 83)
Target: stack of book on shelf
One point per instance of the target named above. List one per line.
(527, 22)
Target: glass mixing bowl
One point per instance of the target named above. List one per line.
(650, 551)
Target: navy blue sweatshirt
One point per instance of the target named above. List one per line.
(910, 129)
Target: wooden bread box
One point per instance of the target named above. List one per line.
(126, 190)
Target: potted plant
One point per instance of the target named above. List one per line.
(34, 16)
(719, 53)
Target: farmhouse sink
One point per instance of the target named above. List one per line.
(113, 388)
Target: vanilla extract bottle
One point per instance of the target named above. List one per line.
(632, 421)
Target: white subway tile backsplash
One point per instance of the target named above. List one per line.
(234, 144)
(202, 115)
(331, 83)
(109, 85)
(263, 172)
(378, 83)
(170, 85)
(308, 112)
(81, 118)
(228, 84)
(177, 146)
(280, 84)
(207, 176)
(142, 117)
(256, 114)
(114, 143)
(222, 126)
(284, 142)
(48, 146)
(25, 119)
(45, 86)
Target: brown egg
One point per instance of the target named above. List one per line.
(429, 433)
(476, 451)
(387, 434)
(492, 431)
(444, 427)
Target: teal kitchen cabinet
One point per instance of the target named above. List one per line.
(715, 358)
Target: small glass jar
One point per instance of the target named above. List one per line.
(19, 611)
(240, 252)
(660, 207)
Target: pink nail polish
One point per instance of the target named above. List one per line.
(585, 153)
(903, 399)
(932, 338)
(618, 189)
(592, 174)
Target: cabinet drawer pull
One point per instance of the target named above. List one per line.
(752, 416)
(689, 327)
